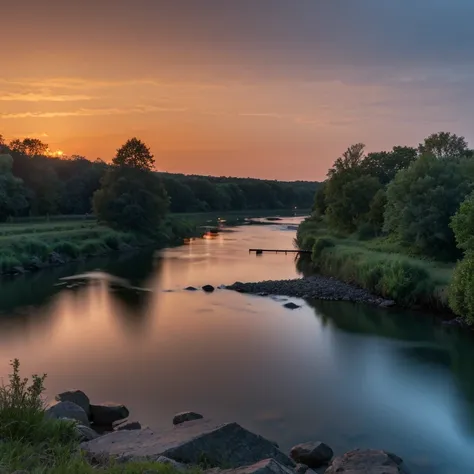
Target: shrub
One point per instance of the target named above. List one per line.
(112, 240)
(92, 247)
(8, 263)
(461, 289)
(404, 281)
(319, 245)
(33, 247)
(66, 248)
(366, 231)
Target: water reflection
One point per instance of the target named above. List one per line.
(352, 375)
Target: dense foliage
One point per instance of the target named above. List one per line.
(413, 201)
(131, 197)
(64, 186)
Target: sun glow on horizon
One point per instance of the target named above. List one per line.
(54, 154)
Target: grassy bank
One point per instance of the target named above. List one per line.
(33, 443)
(33, 245)
(36, 243)
(378, 265)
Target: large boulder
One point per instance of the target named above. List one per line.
(106, 415)
(226, 445)
(366, 461)
(68, 410)
(313, 454)
(186, 416)
(76, 396)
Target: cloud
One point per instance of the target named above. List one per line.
(93, 112)
(41, 97)
(81, 83)
(262, 114)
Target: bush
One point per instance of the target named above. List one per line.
(404, 282)
(8, 263)
(92, 247)
(66, 248)
(461, 289)
(319, 245)
(366, 231)
(112, 240)
(32, 247)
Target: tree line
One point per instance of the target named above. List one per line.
(420, 198)
(34, 184)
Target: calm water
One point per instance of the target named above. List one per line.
(350, 375)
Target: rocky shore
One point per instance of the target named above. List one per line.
(314, 287)
(193, 441)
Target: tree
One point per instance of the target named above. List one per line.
(135, 154)
(29, 146)
(320, 204)
(421, 201)
(444, 144)
(462, 224)
(132, 197)
(350, 159)
(375, 216)
(385, 165)
(13, 194)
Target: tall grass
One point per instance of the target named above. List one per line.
(403, 278)
(32, 442)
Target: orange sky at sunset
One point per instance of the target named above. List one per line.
(273, 88)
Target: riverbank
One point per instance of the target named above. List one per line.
(33, 245)
(376, 266)
(74, 435)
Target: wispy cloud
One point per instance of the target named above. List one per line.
(79, 83)
(93, 112)
(262, 114)
(42, 97)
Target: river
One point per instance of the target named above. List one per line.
(352, 376)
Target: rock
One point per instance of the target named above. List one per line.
(76, 396)
(105, 415)
(227, 445)
(191, 288)
(387, 304)
(301, 468)
(456, 322)
(126, 425)
(56, 259)
(19, 269)
(68, 410)
(186, 416)
(208, 288)
(265, 466)
(291, 305)
(84, 433)
(171, 462)
(313, 454)
(366, 461)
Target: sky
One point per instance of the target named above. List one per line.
(264, 88)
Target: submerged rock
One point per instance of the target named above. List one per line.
(312, 454)
(106, 415)
(221, 445)
(367, 461)
(208, 288)
(68, 410)
(76, 396)
(291, 305)
(186, 416)
(190, 288)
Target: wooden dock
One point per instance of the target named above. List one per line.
(260, 251)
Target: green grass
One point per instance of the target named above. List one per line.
(39, 445)
(380, 265)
